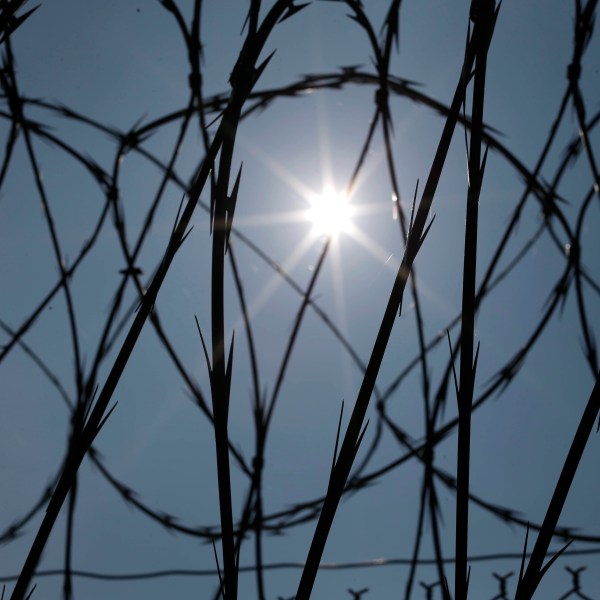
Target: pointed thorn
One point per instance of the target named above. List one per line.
(412, 210)
(101, 425)
(483, 163)
(228, 369)
(453, 367)
(547, 566)
(237, 558)
(185, 237)
(213, 199)
(524, 553)
(392, 25)
(476, 359)
(337, 438)
(292, 10)
(246, 21)
(425, 233)
(219, 115)
(231, 204)
(361, 436)
(446, 587)
(259, 70)
(17, 22)
(204, 347)
(218, 567)
(495, 17)
(178, 214)
(89, 405)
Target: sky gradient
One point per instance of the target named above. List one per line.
(124, 65)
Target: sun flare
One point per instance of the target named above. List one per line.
(330, 213)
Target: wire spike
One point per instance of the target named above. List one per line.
(106, 417)
(228, 369)
(524, 554)
(204, 348)
(425, 233)
(185, 235)
(547, 566)
(476, 359)
(412, 210)
(483, 164)
(259, 70)
(453, 367)
(231, 204)
(176, 222)
(361, 436)
(28, 597)
(468, 580)
(213, 200)
(337, 438)
(292, 10)
(218, 567)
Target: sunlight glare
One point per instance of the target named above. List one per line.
(330, 213)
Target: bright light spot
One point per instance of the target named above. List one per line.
(330, 213)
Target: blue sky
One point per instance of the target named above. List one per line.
(120, 61)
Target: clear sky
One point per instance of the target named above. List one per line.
(120, 62)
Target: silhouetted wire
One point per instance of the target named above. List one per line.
(575, 273)
(287, 565)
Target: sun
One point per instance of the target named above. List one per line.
(330, 213)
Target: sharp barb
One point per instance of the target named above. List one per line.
(178, 214)
(292, 10)
(361, 436)
(204, 347)
(17, 22)
(453, 367)
(494, 20)
(218, 567)
(213, 199)
(524, 554)
(211, 123)
(468, 579)
(185, 237)
(483, 164)
(259, 70)
(412, 210)
(229, 370)
(89, 405)
(101, 425)
(476, 359)
(446, 587)
(28, 597)
(425, 233)
(231, 204)
(337, 438)
(547, 566)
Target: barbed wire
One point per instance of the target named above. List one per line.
(555, 224)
